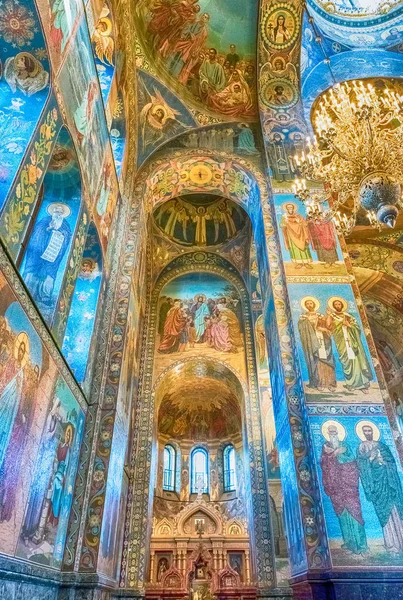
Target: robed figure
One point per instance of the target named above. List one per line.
(340, 477)
(175, 323)
(47, 246)
(296, 236)
(317, 346)
(323, 239)
(346, 333)
(200, 310)
(382, 486)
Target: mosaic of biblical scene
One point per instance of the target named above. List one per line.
(199, 409)
(103, 44)
(200, 314)
(106, 198)
(309, 246)
(60, 17)
(78, 82)
(52, 235)
(80, 324)
(361, 489)
(208, 49)
(335, 359)
(113, 499)
(241, 138)
(161, 115)
(200, 220)
(24, 84)
(41, 426)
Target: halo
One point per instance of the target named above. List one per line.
(108, 23)
(295, 205)
(196, 298)
(38, 65)
(69, 427)
(340, 429)
(22, 338)
(364, 423)
(66, 209)
(314, 300)
(280, 58)
(158, 107)
(333, 299)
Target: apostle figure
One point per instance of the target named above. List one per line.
(175, 323)
(186, 51)
(323, 240)
(317, 346)
(59, 480)
(381, 483)
(46, 248)
(200, 310)
(227, 315)
(340, 476)
(212, 75)
(296, 236)
(11, 391)
(347, 337)
(11, 467)
(232, 56)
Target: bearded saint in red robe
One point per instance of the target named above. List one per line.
(175, 323)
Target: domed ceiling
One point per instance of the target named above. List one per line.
(200, 220)
(198, 409)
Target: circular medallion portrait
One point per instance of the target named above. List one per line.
(279, 93)
(280, 26)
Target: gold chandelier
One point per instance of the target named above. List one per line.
(357, 154)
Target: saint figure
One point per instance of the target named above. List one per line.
(346, 333)
(317, 346)
(323, 240)
(382, 486)
(46, 248)
(296, 236)
(200, 310)
(175, 323)
(211, 75)
(340, 476)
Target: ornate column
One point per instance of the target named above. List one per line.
(334, 422)
(247, 566)
(152, 560)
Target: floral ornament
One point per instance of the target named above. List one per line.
(17, 24)
(20, 205)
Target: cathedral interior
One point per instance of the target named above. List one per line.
(201, 299)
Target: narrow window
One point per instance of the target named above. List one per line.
(229, 469)
(169, 468)
(199, 469)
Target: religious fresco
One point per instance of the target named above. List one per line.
(81, 319)
(269, 432)
(113, 499)
(78, 84)
(207, 51)
(199, 409)
(241, 138)
(200, 220)
(335, 360)
(60, 18)
(50, 240)
(161, 115)
(24, 84)
(106, 198)
(309, 246)
(361, 489)
(41, 428)
(103, 44)
(200, 314)
(118, 133)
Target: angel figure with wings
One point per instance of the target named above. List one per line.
(278, 67)
(158, 120)
(102, 38)
(25, 73)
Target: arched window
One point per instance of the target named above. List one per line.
(169, 468)
(199, 471)
(229, 468)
